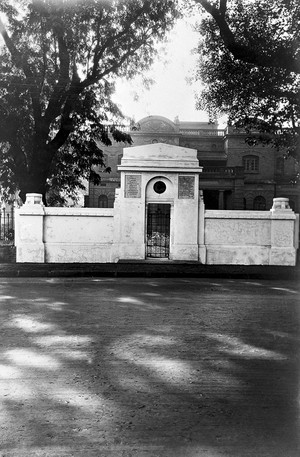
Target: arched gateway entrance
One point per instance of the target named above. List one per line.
(158, 230)
(158, 203)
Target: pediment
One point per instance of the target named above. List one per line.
(156, 124)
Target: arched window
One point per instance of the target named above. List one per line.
(120, 158)
(103, 201)
(259, 203)
(251, 164)
(280, 166)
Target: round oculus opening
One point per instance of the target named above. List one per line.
(159, 187)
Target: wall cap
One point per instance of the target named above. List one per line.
(281, 204)
(34, 199)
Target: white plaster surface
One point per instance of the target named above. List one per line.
(237, 255)
(80, 252)
(77, 229)
(282, 256)
(239, 232)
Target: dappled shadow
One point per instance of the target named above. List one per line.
(153, 367)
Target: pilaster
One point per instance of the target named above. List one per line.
(283, 229)
(29, 230)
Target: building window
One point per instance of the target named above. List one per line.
(259, 203)
(103, 201)
(251, 164)
(280, 166)
(120, 158)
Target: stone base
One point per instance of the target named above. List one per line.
(283, 256)
(202, 254)
(31, 252)
(237, 255)
(129, 252)
(184, 252)
(82, 253)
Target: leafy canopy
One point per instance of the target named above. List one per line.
(249, 65)
(58, 66)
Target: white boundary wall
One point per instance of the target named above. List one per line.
(251, 237)
(63, 234)
(59, 235)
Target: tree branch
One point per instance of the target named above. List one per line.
(223, 7)
(280, 58)
(66, 124)
(21, 63)
(57, 99)
(99, 51)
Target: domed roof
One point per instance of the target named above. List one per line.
(156, 124)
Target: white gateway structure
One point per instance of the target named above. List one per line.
(158, 214)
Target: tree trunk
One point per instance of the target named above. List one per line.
(34, 183)
(35, 180)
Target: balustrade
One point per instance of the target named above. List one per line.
(203, 132)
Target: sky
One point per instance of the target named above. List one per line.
(171, 95)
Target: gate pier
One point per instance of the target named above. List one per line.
(158, 203)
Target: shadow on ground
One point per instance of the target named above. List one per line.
(149, 367)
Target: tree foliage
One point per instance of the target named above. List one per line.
(249, 64)
(58, 67)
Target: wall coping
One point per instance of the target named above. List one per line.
(39, 210)
(159, 168)
(61, 211)
(241, 214)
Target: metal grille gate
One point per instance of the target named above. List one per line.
(6, 225)
(158, 230)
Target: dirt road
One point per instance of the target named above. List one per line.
(149, 367)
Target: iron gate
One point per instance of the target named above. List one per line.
(158, 230)
(6, 225)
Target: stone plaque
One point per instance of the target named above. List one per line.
(133, 186)
(186, 186)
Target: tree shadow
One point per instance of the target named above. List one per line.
(148, 367)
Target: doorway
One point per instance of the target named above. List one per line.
(211, 198)
(158, 230)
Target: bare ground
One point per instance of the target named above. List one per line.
(149, 367)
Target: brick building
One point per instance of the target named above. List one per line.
(235, 175)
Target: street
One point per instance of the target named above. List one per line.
(149, 367)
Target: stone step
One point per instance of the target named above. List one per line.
(7, 253)
(147, 269)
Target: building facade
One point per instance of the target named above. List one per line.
(235, 176)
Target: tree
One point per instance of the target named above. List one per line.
(58, 67)
(249, 64)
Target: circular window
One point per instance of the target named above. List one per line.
(159, 187)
